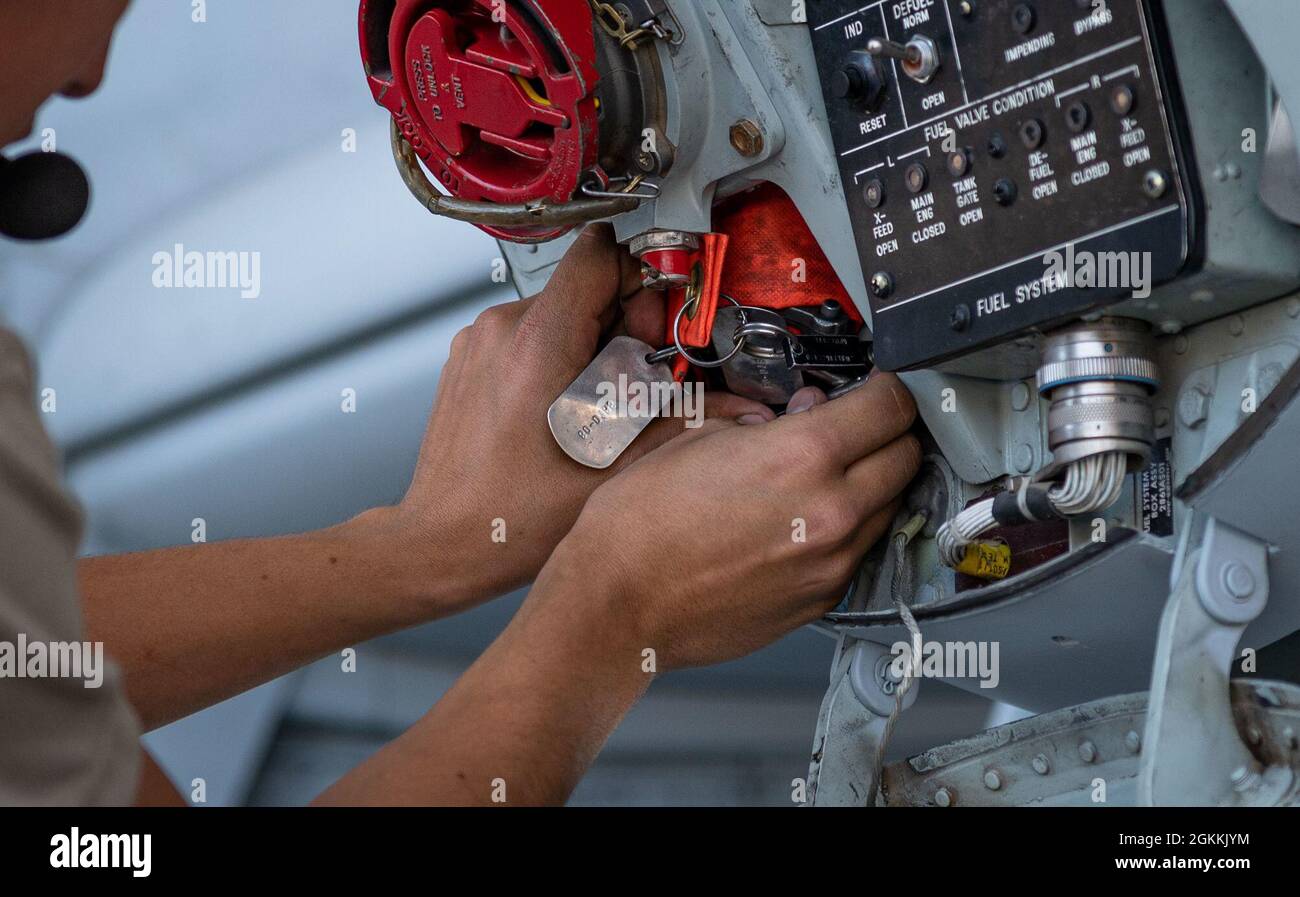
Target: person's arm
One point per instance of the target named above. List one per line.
(192, 626)
(522, 725)
(635, 589)
(491, 497)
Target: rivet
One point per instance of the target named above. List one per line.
(1087, 752)
(882, 285)
(943, 798)
(1041, 765)
(1020, 396)
(959, 318)
(992, 780)
(1024, 458)
(1133, 741)
(1155, 184)
(1238, 581)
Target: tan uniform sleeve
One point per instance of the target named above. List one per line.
(67, 734)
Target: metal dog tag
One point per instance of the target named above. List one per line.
(605, 409)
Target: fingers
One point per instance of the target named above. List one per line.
(645, 316)
(808, 397)
(856, 424)
(581, 299)
(729, 405)
(875, 528)
(878, 479)
(872, 529)
(718, 406)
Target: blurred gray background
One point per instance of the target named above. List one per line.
(177, 404)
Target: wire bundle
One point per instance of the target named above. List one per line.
(1089, 485)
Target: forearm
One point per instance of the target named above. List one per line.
(195, 625)
(527, 719)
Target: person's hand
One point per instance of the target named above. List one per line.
(731, 536)
(492, 493)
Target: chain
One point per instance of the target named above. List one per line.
(613, 24)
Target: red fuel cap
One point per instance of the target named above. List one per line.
(496, 98)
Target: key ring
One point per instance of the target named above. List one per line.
(763, 328)
(681, 350)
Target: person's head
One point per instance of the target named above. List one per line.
(49, 47)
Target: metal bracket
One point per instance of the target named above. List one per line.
(851, 726)
(1192, 752)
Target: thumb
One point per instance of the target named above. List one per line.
(582, 297)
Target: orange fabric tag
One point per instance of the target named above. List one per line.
(770, 243)
(697, 332)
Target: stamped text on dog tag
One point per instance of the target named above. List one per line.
(593, 421)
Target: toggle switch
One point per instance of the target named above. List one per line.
(919, 56)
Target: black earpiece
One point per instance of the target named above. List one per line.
(42, 196)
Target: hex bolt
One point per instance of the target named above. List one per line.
(747, 138)
(1088, 752)
(1041, 765)
(1194, 406)
(1155, 184)
(992, 780)
(1133, 741)
(944, 798)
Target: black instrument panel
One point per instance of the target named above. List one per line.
(1006, 164)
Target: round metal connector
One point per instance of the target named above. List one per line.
(1100, 378)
